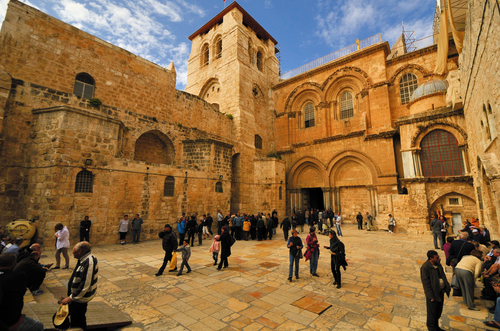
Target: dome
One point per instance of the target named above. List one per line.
(429, 87)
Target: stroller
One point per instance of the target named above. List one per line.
(325, 228)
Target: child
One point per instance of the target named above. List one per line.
(200, 232)
(214, 249)
(186, 254)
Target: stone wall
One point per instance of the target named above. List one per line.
(480, 90)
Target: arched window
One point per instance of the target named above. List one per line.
(258, 142)
(280, 193)
(218, 187)
(440, 155)
(168, 188)
(407, 85)
(205, 55)
(84, 86)
(308, 115)
(218, 48)
(84, 182)
(346, 105)
(260, 61)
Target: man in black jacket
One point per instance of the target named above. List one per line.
(169, 243)
(359, 219)
(286, 225)
(35, 272)
(460, 248)
(435, 286)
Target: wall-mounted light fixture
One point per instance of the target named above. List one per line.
(220, 176)
(88, 162)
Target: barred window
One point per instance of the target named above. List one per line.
(346, 105)
(440, 155)
(205, 55)
(84, 86)
(218, 187)
(280, 193)
(407, 85)
(258, 142)
(168, 187)
(84, 182)
(309, 115)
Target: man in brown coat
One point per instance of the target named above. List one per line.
(435, 286)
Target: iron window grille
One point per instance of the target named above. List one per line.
(84, 86)
(84, 182)
(440, 155)
(218, 187)
(169, 186)
(258, 142)
(407, 85)
(346, 105)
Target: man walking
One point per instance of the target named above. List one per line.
(169, 244)
(136, 228)
(82, 285)
(436, 226)
(359, 218)
(338, 221)
(435, 286)
(85, 229)
(220, 222)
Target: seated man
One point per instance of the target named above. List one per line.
(488, 293)
(35, 273)
(13, 288)
(26, 251)
(15, 247)
(495, 310)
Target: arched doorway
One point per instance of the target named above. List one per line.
(456, 208)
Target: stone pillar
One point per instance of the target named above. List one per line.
(326, 197)
(417, 163)
(375, 195)
(465, 158)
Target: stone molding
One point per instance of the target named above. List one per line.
(410, 66)
(424, 97)
(208, 141)
(70, 109)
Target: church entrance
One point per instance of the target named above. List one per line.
(313, 198)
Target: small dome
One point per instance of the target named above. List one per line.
(429, 87)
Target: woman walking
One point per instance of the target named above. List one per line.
(123, 229)
(225, 247)
(62, 245)
(337, 251)
(312, 251)
(295, 246)
(467, 271)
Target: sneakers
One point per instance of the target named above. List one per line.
(37, 292)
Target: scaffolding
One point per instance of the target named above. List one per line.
(409, 39)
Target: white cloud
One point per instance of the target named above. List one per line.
(340, 25)
(3, 9)
(138, 26)
(268, 4)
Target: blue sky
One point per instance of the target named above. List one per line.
(158, 30)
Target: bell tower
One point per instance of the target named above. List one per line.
(233, 64)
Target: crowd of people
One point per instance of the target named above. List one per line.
(472, 255)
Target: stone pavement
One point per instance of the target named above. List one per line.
(381, 288)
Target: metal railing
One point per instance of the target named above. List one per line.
(333, 56)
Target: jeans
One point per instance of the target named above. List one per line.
(293, 259)
(496, 317)
(136, 235)
(274, 231)
(181, 238)
(339, 232)
(184, 263)
(215, 256)
(335, 269)
(64, 252)
(314, 262)
(437, 235)
(30, 324)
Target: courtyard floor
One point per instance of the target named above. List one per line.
(381, 288)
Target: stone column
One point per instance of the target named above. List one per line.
(326, 197)
(417, 163)
(465, 158)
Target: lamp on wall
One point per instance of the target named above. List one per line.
(88, 162)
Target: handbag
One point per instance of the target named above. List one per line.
(299, 253)
(454, 282)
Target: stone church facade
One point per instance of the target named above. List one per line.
(88, 128)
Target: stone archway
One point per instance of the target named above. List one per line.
(456, 208)
(154, 147)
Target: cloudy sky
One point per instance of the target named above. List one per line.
(158, 30)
